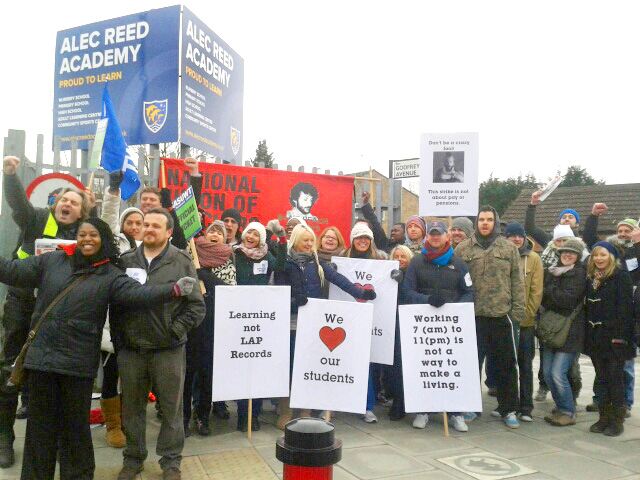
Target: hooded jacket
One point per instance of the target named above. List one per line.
(533, 271)
(496, 275)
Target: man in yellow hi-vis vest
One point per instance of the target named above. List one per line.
(60, 220)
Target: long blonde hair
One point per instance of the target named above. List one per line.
(296, 236)
(608, 271)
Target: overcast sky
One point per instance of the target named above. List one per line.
(345, 85)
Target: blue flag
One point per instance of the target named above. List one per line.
(114, 150)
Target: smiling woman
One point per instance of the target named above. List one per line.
(63, 358)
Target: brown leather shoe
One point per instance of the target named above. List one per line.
(562, 420)
(171, 474)
(129, 473)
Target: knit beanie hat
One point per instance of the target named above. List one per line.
(612, 250)
(573, 245)
(514, 229)
(416, 220)
(630, 222)
(127, 212)
(572, 212)
(231, 213)
(562, 231)
(464, 224)
(219, 225)
(258, 227)
(360, 230)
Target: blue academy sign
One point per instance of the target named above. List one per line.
(138, 55)
(212, 91)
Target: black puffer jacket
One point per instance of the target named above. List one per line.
(68, 341)
(563, 294)
(609, 316)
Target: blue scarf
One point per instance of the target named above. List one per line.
(441, 260)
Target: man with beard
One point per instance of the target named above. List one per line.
(61, 220)
(494, 265)
(152, 348)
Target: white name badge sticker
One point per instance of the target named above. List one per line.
(261, 268)
(139, 274)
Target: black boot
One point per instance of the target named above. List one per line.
(255, 424)
(603, 421)
(616, 421)
(220, 410)
(7, 457)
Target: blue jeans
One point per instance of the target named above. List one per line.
(556, 374)
(371, 394)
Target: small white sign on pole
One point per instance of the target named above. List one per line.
(376, 275)
(440, 358)
(251, 342)
(448, 174)
(331, 364)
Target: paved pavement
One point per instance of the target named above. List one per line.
(394, 450)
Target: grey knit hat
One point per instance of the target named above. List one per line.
(464, 224)
(573, 245)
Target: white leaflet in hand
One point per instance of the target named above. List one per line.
(139, 274)
(548, 190)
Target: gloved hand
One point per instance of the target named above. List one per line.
(397, 275)
(184, 286)
(366, 294)
(619, 348)
(436, 301)
(301, 299)
(333, 265)
(165, 198)
(115, 179)
(275, 227)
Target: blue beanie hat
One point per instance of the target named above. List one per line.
(514, 229)
(608, 246)
(572, 212)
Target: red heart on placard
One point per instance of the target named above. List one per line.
(332, 337)
(367, 286)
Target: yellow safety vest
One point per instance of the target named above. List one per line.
(50, 231)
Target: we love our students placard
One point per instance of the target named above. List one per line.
(331, 362)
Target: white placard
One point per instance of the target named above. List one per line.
(139, 274)
(448, 174)
(440, 358)
(251, 342)
(374, 274)
(44, 245)
(331, 364)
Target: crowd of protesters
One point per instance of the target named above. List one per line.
(126, 295)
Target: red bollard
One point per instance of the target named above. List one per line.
(308, 450)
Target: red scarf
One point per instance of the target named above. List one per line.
(433, 254)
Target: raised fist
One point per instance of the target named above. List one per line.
(599, 209)
(10, 165)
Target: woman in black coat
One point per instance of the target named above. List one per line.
(609, 333)
(63, 358)
(563, 294)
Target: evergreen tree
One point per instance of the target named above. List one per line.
(263, 155)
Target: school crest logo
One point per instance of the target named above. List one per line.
(155, 114)
(235, 140)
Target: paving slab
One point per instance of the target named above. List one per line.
(380, 461)
(510, 446)
(570, 466)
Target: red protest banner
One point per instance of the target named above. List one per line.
(262, 194)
